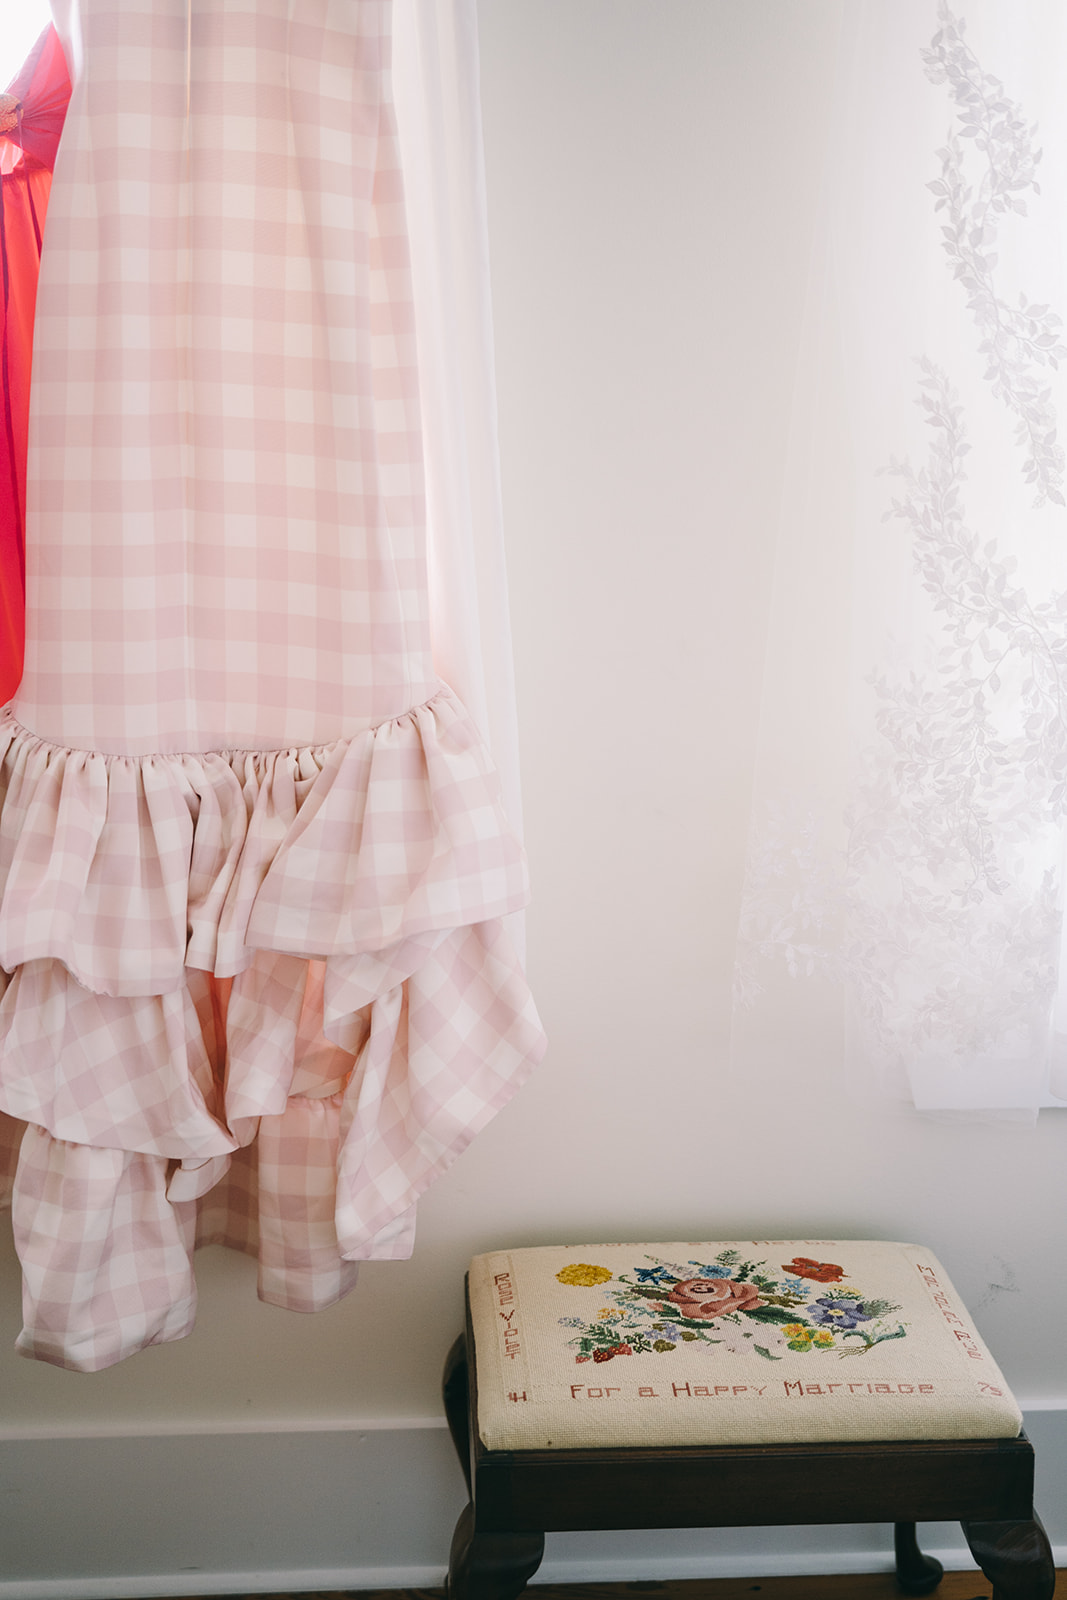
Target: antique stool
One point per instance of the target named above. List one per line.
(755, 1382)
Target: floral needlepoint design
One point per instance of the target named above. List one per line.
(819, 1271)
(613, 1350)
(837, 1313)
(583, 1275)
(713, 1297)
(739, 1305)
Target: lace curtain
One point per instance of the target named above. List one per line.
(902, 911)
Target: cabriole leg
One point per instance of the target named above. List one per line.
(491, 1566)
(456, 1392)
(1015, 1557)
(916, 1573)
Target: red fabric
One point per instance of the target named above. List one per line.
(27, 155)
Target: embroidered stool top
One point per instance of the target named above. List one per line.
(739, 1342)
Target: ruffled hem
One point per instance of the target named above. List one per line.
(268, 990)
(130, 869)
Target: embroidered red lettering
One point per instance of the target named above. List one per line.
(944, 1304)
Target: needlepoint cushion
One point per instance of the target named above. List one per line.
(748, 1341)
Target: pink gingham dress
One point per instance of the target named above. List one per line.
(252, 857)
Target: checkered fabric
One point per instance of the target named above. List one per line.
(253, 862)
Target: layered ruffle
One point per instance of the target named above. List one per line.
(131, 869)
(267, 989)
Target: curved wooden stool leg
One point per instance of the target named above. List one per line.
(491, 1566)
(455, 1388)
(916, 1573)
(1015, 1556)
(481, 1566)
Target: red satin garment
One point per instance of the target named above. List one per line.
(27, 156)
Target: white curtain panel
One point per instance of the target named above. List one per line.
(436, 87)
(903, 905)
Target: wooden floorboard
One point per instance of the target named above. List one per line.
(865, 1586)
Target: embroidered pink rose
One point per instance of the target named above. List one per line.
(711, 1297)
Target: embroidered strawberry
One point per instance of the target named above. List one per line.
(613, 1350)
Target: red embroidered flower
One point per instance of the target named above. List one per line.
(711, 1297)
(818, 1271)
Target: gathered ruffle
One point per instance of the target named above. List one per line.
(271, 988)
(130, 869)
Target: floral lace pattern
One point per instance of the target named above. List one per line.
(934, 899)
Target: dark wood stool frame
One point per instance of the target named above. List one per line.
(517, 1496)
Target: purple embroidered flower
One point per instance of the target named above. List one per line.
(842, 1314)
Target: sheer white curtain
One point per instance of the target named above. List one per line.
(902, 910)
(436, 86)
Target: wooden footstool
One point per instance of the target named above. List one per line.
(754, 1382)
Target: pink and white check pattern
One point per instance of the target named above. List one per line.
(253, 863)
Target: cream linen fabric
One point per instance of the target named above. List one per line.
(745, 1342)
(252, 856)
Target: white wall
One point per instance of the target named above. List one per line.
(652, 173)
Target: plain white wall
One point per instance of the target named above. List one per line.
(652, 175)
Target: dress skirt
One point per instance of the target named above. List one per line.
(253, 862)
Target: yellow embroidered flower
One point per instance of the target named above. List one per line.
(796, 1330)
(607, 1314)
(823, 1340)
(583, 1276)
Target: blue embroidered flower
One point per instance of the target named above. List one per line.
(795, 1285)
(844, 1314)
(666, 1330)
(653, 1275)
(571, 1322)
(714, 1271)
